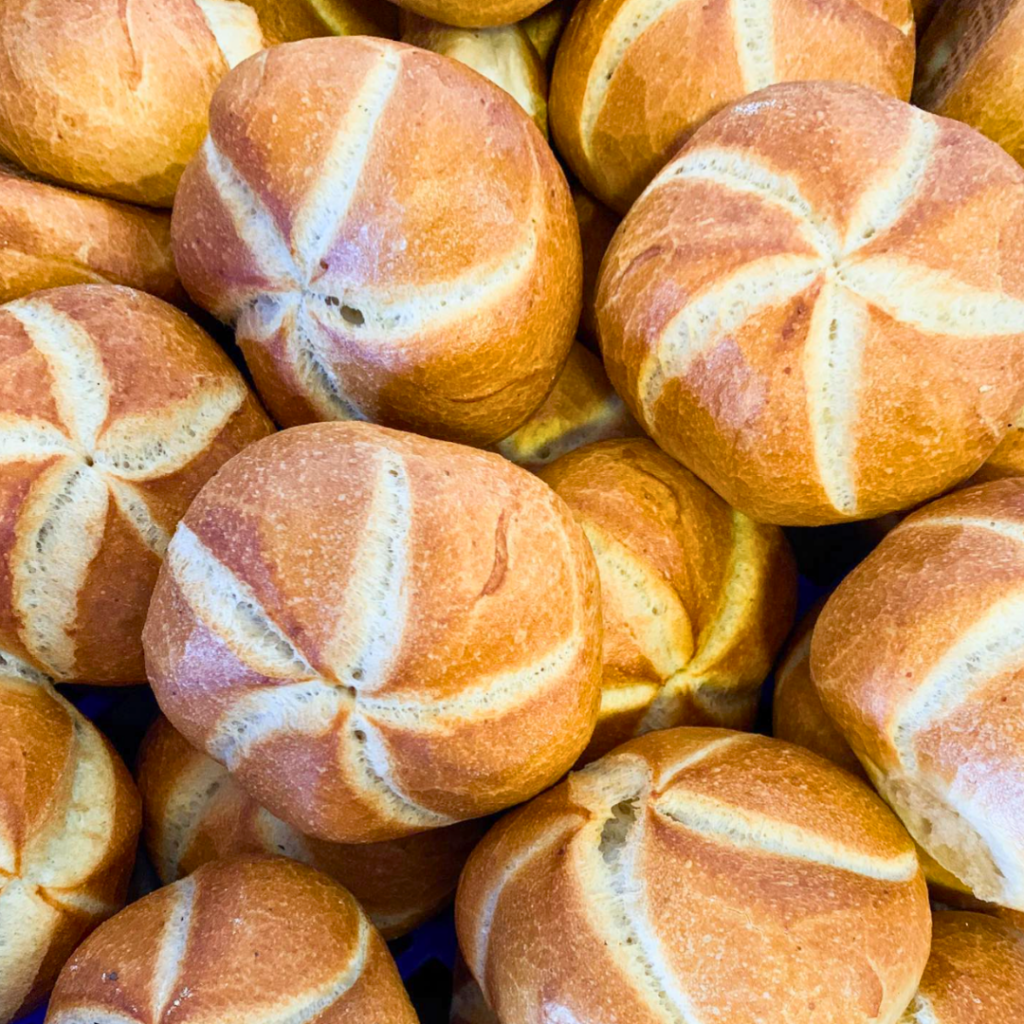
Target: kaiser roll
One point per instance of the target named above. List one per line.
(111, 96)
(285, 21)
(971, 61)
(634, 78)
(818, 306)
(597, 226)
(919, 660)
(696, 598)
(69, 821)
(975, 974)
(504, 55)
(195, 812)
(797, 714)
(582, 408)
(698, 875)
(473, 13)
(257, 939)
(51, 236)
(114, 410)
(377, 633)
(401, 270)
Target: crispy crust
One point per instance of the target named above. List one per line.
(51, 236)
(114, 410)
(448, 313)
(916, 662)
(696, 598)
(241, 939)
(378, 633)
(776, 294)
(698, 874)
(620, 108)
(69, 823)
(66, 115)
(195, 812)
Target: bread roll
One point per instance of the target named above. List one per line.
(503, 55)
(697, 875)
(112, 97)
(1008, 458)
(784, 307)
(254, 939)
(114, 410)
(401, 271)
(597, 225)
(376, 633)
(634, 79)
(582, 408)
(473, 13)
(544, 27)
(919, 660)
(696, 598)
(970, 68)
(797, 713)
(195, 813)
(69, 821)
(975, 974)
(51, 236)
(285, 21)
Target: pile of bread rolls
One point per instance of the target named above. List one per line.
(419, 397)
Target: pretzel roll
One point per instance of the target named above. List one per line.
(285, 21)
(696, 598)
(376, 633)
(448, 310)
(255, 939)
(51, 236)
(1008, 458)
(504, 55)
(473, 13)
(582, 408)
(633, 79)
(818, 306)
(69, 821)
(195, 812)
(544, 27)
(114, 410)
(112, 97)
(975, 974)
(919, 660)
(797, 713)
(697, 875)
(597, 226)
(970, 68)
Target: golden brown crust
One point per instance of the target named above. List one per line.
(51, 236)
(975, 974)
(378, 633)
(771, 301)
(69, 823)
(797, 712)
(503, 55)
(581, 409)
(545, 26)
(917, 661)
(698, 874)
(473, 13)
(66, 115)
(252, 938)
(619, 109)
(195, 812)
(449, 312)
(286, 21)
(1008, 458)
(114, 410)
(597, 225)
(970, 68)
(696, 598)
